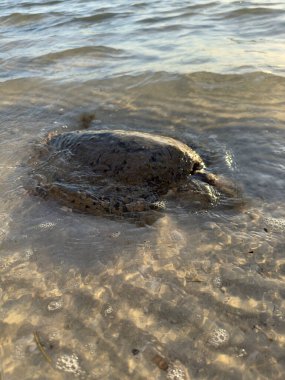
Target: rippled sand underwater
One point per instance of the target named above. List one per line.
(200, 293)
(197, 295)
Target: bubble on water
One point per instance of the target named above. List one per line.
(108, 310)
(210, 225)
(159, 205)
(70, 364)
(176, 372)
(46, 226)
(276, 224)
(176, 236)
(147, 244)
(115, 235)
(227, 299)
(278, 313)
(217, 282)
(241, 353)
(91, 348)
(55, 305)
(29, 253)
(24, 346)
(19, 350)
(145, 247)
(54, 335)
(66, 209)
(218, 337)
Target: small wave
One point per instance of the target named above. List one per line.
(250, 12)
(161, 29)
(159, 19)
(204, 5)
(22, 18)
(99, 17)
(38, 4)
(139, 5)
(97, 51)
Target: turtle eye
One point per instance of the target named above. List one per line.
(197, 166)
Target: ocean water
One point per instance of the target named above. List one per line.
(200, 293)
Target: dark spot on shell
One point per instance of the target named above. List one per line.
(135, 351)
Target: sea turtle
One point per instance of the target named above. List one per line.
(116, 172)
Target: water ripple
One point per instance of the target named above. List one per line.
(21, 18)
(83, 51)
(214, 36)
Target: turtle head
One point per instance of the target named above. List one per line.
(223, 185)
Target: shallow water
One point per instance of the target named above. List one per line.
(200, 293)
